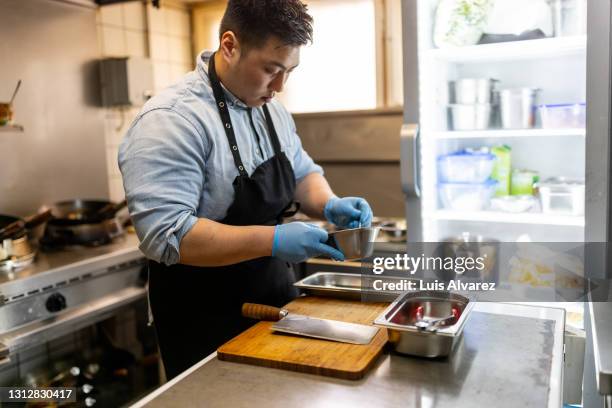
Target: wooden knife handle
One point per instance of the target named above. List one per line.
(263, 312)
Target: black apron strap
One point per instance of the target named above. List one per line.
(225, 116)
(272, 131)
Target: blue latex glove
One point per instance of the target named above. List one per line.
(298, 241)
(348, 212)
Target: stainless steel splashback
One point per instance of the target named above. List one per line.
(52, 47)
(359, 152)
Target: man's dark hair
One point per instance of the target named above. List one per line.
(254, 21)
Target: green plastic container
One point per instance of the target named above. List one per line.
(502, 169)
(523, 181)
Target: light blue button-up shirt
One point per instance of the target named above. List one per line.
(177, 165)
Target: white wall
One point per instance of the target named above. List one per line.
(52, 48)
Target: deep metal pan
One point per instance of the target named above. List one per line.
(407, 337)
(79, 212)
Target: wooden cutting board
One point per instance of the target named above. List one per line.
(260, 345)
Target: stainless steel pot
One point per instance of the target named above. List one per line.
(16, 248)
(469, 117)
(472, 91)
(518, 107)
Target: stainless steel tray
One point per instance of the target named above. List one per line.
(349, 286)
(400, 316)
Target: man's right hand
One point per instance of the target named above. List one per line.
(298, 241)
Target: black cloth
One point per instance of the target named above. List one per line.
(196, 309)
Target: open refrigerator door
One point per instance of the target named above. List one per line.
(500, 151)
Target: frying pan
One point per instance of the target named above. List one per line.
(15, 227)
(79, 212)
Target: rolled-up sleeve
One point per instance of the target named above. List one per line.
(303, 164)
(162, 163)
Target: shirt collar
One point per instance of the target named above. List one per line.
(202, 66)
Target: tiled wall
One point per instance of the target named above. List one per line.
(170, 44)
(140, 30)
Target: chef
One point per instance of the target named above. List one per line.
(211, 166)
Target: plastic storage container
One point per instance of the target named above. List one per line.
(513, 204)
(465, 167)
(466, 197)
(563, 196)
(563, 115)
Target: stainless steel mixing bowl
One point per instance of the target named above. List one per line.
(355, 243)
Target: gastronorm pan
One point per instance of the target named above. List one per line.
(400, 318)
(351, 285)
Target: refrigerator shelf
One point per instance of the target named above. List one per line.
(503, 217)
(515, 50)
(507, 133)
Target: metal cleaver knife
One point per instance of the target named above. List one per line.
(310, 326)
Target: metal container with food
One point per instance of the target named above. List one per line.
(354, 243)
(352, 285)
(405, 316)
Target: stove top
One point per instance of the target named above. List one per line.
(63, 289)
(17, 263)
(75, 257)
(48, 244)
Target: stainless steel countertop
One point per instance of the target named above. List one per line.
(66, 264)
(510, 355)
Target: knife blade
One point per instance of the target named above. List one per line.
(302, 325)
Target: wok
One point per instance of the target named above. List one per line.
(79, 212)
(15, 227)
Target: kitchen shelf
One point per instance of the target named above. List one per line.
(504, 217)
(11, 128)
(514, 50)
(508, 133)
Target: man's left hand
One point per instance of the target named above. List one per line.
(348, 212)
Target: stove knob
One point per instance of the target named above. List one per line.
(56, 302)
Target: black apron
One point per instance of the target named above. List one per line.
(196, 309)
